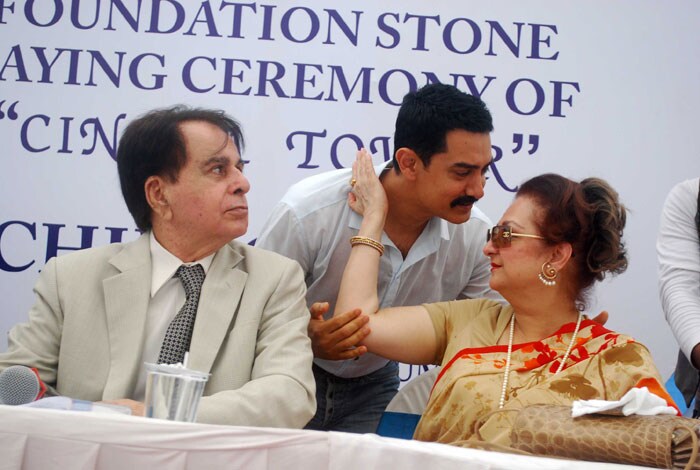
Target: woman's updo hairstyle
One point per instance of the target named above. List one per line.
(589, 216)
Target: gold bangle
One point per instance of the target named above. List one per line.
(358, 240)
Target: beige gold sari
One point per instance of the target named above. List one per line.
(602, 365)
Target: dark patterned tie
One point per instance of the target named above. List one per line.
(179, 334)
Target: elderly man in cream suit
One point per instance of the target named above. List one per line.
(101, 313)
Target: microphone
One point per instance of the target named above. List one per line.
(20, 385)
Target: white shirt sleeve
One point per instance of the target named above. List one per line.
(284, 234)
(678, 251)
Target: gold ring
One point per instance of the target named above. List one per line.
(353, 181)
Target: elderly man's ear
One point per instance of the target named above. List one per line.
(155, 190)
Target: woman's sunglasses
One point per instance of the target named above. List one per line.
(501, 235)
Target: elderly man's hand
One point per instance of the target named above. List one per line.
(337, 338)
(137, 408)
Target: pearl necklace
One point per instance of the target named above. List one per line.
(506, 372)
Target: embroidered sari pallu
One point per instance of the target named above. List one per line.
(602, 365)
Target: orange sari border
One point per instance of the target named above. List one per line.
(588, 330)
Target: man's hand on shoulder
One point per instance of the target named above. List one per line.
(337, 338)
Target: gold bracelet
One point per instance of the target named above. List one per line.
(357, 240)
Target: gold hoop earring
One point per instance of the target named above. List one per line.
(548, 275)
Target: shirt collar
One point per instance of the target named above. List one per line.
(165, 264)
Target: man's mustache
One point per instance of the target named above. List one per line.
(463, 201)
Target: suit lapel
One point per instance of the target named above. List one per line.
(126, 302)
(218, 303)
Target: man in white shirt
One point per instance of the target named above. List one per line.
(433, 238)
(184, 285)
(678, 251)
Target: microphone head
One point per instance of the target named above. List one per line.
(19, 385)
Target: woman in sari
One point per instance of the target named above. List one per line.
(552, 244)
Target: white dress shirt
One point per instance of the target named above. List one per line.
(678, 250)
(313, 223)
(167, 298)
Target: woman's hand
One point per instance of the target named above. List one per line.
(367, 197)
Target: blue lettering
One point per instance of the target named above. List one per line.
(539, 96)
(237, 16)
(115, 234)
(384, 86)
(159, 79)
(381, 143)
(29, 12)
(510, 43)
(229, 74)
(52, 245)
(187, 74)
(497, 155)
(155, 17)
(334, 16)
(537, 39)
(4, 265)
(313, 30)
(420, 33)
(558, 97)
(208, 21)
(4, 7)
(267, 22)
(66, 129)
(302, 80)
(23, 133)
(334, 147)
(469, 80)
(385, 28)
(308, 146)
(263, 79)
(75, 16)
(447, 36)
(365, 74)
(111, 147)
(133, 21)
(113, 75)
(471, 84)
(45, 64)
(18, 64)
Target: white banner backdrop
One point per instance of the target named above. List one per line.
(595, 88)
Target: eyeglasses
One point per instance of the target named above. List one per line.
(501, 235)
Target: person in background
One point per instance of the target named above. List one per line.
(183, 285)
(556, 239)
(442, 152)
(678, 252)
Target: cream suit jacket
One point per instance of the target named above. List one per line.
(85, 332)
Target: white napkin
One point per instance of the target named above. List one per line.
(639, 401)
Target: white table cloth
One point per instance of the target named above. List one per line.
(49, 439)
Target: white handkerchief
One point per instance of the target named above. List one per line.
(638, 401)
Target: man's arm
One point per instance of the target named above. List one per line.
(338, 337)
(678, 252)
(281, 392)
(332, 339)
(36, 343)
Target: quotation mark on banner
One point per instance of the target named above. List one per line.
(11, 113)
(534, 142)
